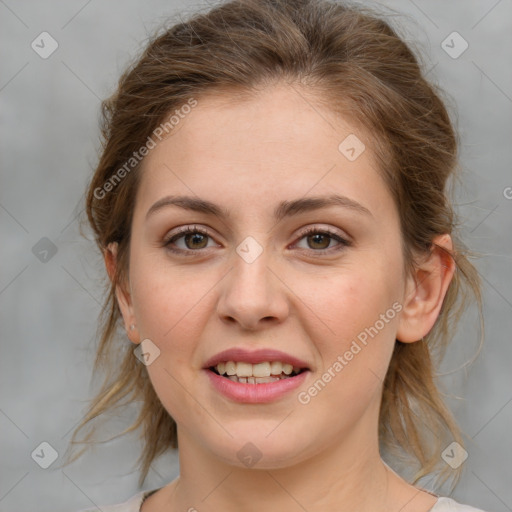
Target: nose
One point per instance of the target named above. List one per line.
(252, 295)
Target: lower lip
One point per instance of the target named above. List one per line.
(255, 393)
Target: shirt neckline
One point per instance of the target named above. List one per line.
(147, 494)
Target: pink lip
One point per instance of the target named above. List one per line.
(253, 357)
(255, 393)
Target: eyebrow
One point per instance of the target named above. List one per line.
(284, 209)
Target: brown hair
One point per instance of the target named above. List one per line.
(351, 59)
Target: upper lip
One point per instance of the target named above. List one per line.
(254, 356)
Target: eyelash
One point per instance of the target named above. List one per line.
(343, 243)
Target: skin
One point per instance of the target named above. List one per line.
(278, 145)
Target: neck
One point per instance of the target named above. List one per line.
(349, 477)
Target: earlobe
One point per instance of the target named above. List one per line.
(123, 296)
(425, 291)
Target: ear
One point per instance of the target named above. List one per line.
(124, 299)
(425, 291)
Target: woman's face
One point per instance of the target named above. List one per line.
(264, 276)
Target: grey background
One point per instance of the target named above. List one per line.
(48, 148)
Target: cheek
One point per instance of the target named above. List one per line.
(344, 302)
(170, 312)
(167, 307)
(353, 328)
(354, 352)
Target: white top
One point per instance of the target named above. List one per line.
(134, 504)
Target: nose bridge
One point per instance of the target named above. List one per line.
(252, 291)
(251, 270)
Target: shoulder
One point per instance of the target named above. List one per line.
(132, 505)
(450, 505)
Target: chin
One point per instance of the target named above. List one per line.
(260, 448)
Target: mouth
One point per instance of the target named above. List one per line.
(255, 376)
(260, 373)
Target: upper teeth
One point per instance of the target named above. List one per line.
(255, 370)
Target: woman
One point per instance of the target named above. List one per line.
(271, 207)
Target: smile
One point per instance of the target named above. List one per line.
(255, 376)
(260, 373)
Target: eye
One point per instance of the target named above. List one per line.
(193, 238)
(319, 240)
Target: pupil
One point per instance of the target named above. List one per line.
(316, 240)
(196, 237)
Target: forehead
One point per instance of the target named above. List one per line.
(274, 143)
(279, 115)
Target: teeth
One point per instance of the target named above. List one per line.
(276, 368)
(244, 369)
(247, 372)
(287, 369)
(261, 370)
(266, 380)
(255, 380)
(230, 368)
